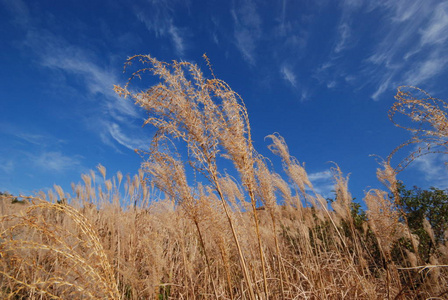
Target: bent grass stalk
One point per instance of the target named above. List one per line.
(186, 110)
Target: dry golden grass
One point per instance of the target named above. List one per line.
(425, 117)
(53, 250)
(184, 228)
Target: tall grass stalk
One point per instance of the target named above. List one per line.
(185, 109)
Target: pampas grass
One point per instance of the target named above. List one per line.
(187, 226)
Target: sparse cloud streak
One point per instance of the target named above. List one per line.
(344, 32)
(158, 18)
(247, 29)
(54, 161)
(433, 169)
(322, 182)
(131, 143)
(288, 75)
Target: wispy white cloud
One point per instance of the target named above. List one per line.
(331, 84)
(247, 30)
(158, 18)
(426, 69)
(344, 38)
(214, 29)
(433, 42)
(289, 33)
(322, 175)
(321, 73)
(288, 75)
(54, 161)
(401, 56)
(382, 87)
(283, 18)
(329, 72)
(29, 136)
(177, 38)
(41, 151)
(304, 94)
(433, 169)
(436, 31)
(29, 153)
(344, 32)
(322, 182)
(125, 140)
(399, 11)
(407, 46)
(6, 165)
(55, 53)
(245, 42)
(215, 38)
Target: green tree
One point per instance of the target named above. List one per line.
(431, 205)
(13, 198)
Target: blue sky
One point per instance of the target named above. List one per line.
(321, 73)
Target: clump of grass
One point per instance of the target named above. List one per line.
(59, 259)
